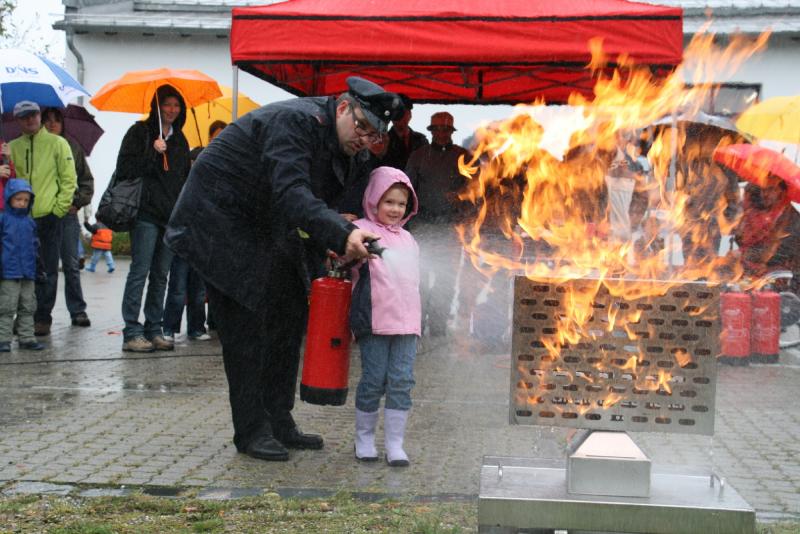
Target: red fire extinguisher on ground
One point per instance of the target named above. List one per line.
(766, 327)
(326, 361)
(736, 314)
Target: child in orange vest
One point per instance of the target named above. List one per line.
(102, 237)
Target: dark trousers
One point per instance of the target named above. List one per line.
(185, 288)
(49, 229)
(261, 353)
(73, 294)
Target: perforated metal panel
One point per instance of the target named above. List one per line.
(655, 373)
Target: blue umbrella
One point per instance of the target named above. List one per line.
(26, 76)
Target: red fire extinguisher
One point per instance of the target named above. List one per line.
(766, 327)
(326, 361)
(736, 318)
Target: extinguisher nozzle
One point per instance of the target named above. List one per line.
(374, 248)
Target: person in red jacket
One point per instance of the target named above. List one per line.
(102, 238)
(768, 234)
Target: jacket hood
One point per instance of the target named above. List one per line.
(380, 180)
(14, 186)
(161, 93)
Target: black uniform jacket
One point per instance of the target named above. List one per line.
(272, 171)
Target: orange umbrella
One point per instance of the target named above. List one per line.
(134, 91)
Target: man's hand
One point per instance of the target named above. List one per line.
(5, 149)
(349, 217)
(160, 145)
(5, 171)
(355, 249)
(72, 210)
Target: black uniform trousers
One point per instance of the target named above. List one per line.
(261, 353)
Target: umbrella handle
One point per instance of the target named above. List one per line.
(197, 126)
(161, 131)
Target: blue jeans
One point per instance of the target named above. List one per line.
(73, 294)
(48, 229)
(387, 367)
(150, 261)
(100, 253)
(185, 286)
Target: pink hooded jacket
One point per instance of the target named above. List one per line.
(386, 299)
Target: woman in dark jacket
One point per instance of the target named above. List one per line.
(157, 151)
(53, 120)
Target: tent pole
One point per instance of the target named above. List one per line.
(235, 84)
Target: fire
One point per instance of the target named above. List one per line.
(550, 209)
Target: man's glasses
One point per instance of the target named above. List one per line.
(441, 128)
(363, 130)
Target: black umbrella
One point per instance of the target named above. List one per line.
(702, 123)
(79, 125)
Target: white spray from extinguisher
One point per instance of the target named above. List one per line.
(396, 261)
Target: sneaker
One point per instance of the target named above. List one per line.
(81, 319)
(5, 346)
(200, 336)
(30, 345)
(90, 268)
(138, 344)
(110, 270)
(168, 337)
(41, 329)
(159, 343)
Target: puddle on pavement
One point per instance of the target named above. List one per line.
(222, 494)
(162, 491)
(43, 488)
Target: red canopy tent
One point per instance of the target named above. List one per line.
(450, 51)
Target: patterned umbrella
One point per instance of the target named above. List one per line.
(26, 76)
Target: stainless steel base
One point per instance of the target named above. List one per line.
(528, 494)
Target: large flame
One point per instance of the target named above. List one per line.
(554, 214)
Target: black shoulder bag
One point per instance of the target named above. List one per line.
(119, 205)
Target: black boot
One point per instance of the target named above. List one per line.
(266, 447)
(292, 438)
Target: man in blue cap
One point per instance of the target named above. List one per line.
(255, 220)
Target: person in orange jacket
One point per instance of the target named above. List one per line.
(102, 237)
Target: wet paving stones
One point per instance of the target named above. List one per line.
(84, 416)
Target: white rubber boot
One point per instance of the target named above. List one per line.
(365, 435)
(394, 426)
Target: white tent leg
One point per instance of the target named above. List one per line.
(235, 110)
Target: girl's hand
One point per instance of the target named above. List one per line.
(160, 145)
(5, 149)
(5, 171)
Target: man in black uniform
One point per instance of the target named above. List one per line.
(254, 219)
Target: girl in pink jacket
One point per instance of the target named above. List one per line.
(385, 316)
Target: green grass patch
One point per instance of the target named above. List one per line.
(268, 513)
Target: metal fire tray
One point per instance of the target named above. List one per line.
(528, 494)
(594, 383)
